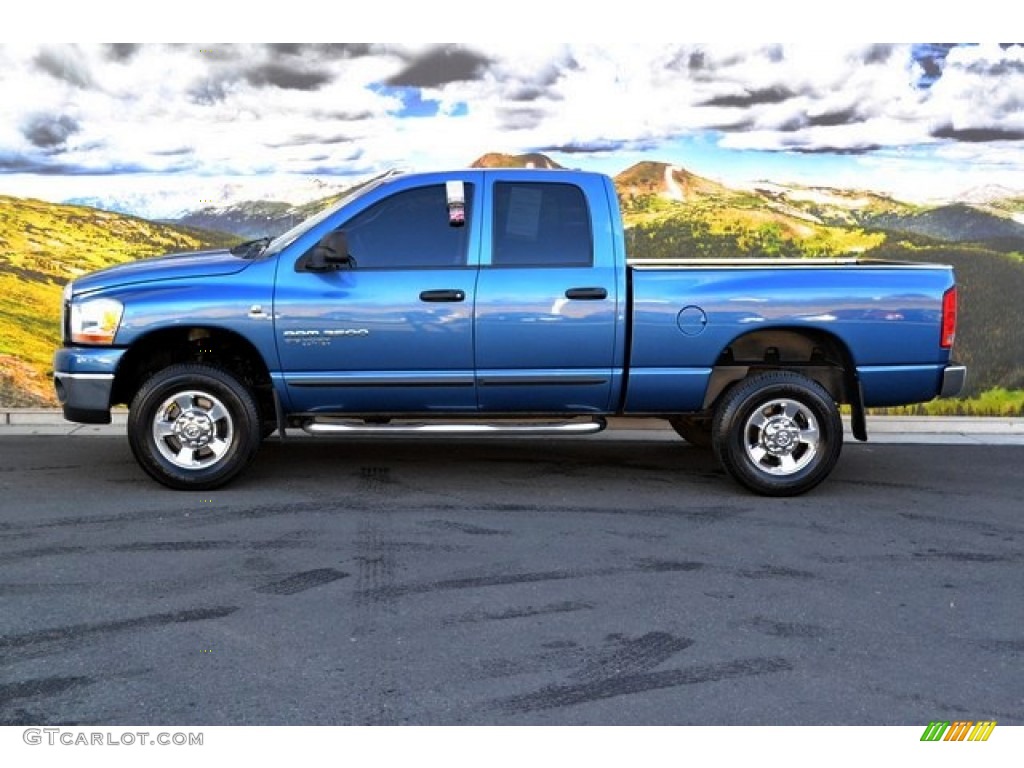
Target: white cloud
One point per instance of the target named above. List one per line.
(246, 109)
(981, 92)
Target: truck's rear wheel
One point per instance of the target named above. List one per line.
(193, 427)
(777, 433)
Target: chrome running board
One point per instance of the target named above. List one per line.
(328, 425)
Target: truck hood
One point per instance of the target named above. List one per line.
(171, 267)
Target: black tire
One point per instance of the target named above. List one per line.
(696, 430)
(193, 427)
(777, 433)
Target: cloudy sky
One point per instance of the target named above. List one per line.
(171, 127)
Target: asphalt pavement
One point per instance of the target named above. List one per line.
(607, 580)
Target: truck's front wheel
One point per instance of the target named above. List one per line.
(193, 427)
(778, 433)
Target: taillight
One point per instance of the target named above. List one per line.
(948, 319)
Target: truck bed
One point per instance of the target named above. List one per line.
(690, 315)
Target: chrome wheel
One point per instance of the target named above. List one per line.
(777, 432)
(192, 429)
(781, 437)
(193, 426)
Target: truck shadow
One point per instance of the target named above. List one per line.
(475, 461)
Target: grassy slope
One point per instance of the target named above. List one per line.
(736, 227)
(42, 246)
(991, 315)
(714, 221)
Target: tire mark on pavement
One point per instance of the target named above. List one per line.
(47, 686)
(518, 613)
(182, 546)
(668, 566)
(632, 656)
(300, 582)
(41, 468)
(153, 546)
(883, 485)
(185, 515)
(473, 582)
(981, 526)
(504, 579)
(46, 588)
(776, 572)
(971, 557)
(373, 650)
(786, 629)
(557, 696)
(1003, 646)
(473, 530)
(77, 632)
(37, 552)
(375, 574)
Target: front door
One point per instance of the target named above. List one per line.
(392, 332)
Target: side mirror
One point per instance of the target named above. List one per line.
(330, 253)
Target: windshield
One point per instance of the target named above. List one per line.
(284, 240)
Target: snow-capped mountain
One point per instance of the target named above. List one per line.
(164, 203)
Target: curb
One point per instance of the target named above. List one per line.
(48, 417)
(40, 417)
(964, 430)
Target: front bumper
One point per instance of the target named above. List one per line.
(83, 378)
(954, 377)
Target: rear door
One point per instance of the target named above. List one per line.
(547, 309)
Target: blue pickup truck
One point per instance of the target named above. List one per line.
(493, 302)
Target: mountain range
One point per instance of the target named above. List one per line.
(711, 219)
(174, 202)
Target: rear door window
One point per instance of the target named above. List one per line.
(541, 224)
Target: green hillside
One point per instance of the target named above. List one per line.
(1008, 205)
(42, 246)
(991, 315)
(671, 213)
(737, 226)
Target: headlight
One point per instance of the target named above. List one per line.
(95, 321)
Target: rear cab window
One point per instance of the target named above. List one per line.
(541, 224)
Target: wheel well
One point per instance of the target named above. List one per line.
(212, 346)
(816, 354)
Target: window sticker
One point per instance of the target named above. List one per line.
(523, 219)
(456, 192)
